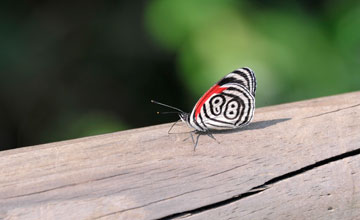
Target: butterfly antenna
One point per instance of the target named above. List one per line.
(164, 113)
(159, 103)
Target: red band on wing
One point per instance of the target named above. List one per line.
(216, 89)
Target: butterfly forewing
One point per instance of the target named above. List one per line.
(230, 103)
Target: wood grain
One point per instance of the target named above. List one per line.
(327, 192)
(294, 161)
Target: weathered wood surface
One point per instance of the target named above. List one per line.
(294, 161)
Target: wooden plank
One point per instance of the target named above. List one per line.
(147, 174)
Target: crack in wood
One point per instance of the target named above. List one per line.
(151, 203)
(42, 191)
(222, 172)
(264, 186)
(65, 186)
(337, 110)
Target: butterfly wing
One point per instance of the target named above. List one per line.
(230, 103)
(243, 76)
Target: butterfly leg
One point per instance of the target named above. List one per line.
(173, 126)
(186, 138)
(192, 137)
(189, 137)
(212, 136)
(197, 140)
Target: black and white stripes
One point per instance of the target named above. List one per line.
(243, 76)
(228, 104)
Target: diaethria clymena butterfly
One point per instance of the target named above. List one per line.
(228, 104)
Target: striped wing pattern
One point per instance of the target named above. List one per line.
(230, 103)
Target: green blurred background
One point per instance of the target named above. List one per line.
(77, 68)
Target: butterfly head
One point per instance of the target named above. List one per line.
(185, 117)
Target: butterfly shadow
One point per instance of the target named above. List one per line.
(253, 126)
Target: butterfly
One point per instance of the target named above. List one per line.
(228, 104)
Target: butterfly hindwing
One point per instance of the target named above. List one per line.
(243, 76)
